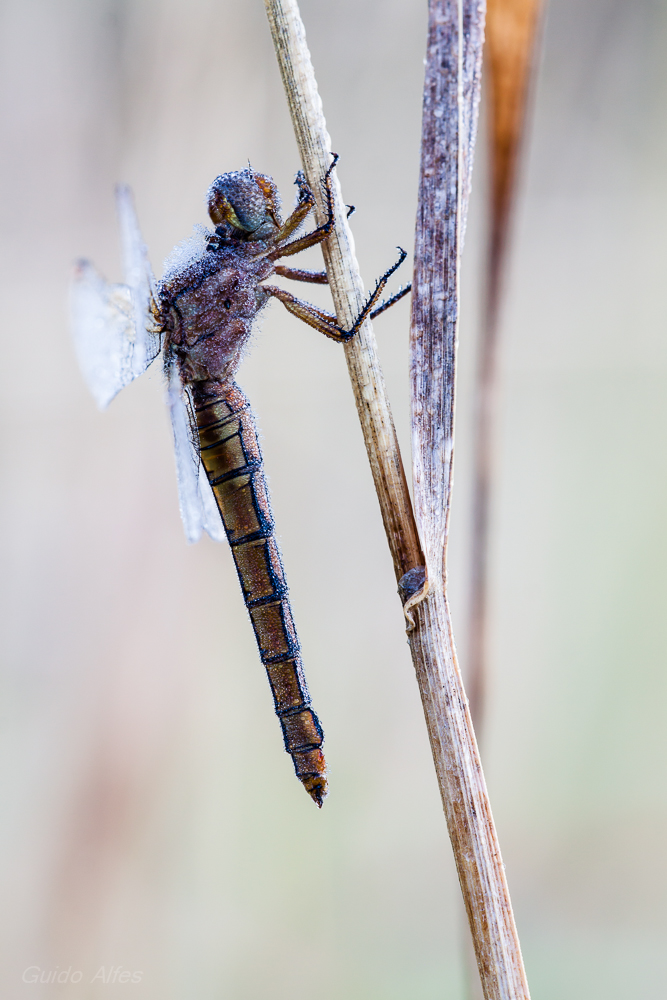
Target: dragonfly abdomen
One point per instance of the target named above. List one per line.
(231, 456)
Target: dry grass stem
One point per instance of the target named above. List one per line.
(451, 98)
(346, 287)
(450, 103)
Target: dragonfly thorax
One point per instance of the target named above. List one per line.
(210, 313)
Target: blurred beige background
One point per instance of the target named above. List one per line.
(151, 821)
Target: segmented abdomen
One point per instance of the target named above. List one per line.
(233, 462)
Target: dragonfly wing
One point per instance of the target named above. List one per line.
(199, 510)
(140, 280)
(102, 325)
(211, 519)
(115, 333)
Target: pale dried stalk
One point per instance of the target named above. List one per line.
(449, 119)
(346, 287)
(452, 739)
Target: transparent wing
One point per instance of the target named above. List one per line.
(140, 280)
(102, 325)
(199, 510)
(115, 335)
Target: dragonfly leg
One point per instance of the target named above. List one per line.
(304, 206)
(368, 311)
(297, 274)
(317, 318)
(392, 301)
(321, 278)
(317, 235)
(325, 322)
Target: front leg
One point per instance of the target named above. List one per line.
(317, 235)
(304, 205)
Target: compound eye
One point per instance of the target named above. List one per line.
(236, 199)
(248, 201)
(220, 208)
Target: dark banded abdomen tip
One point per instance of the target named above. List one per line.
(317, 788)
(311, 770)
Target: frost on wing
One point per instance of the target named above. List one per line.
(140, 280)
(186, 252)
(103, 327)
(199, 510)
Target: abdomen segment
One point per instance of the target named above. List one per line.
(233, 462)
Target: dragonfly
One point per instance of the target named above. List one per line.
(199, 316)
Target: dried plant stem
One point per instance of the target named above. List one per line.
(450, 730)
(346, 287)
(449, 119)
(466, 803)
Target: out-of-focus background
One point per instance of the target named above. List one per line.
(151, 822)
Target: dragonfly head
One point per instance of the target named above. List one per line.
(245, 204)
